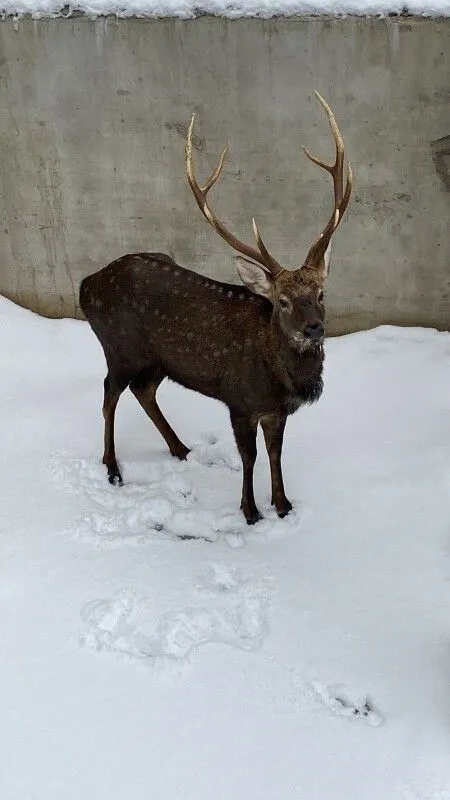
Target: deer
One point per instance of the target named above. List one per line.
(258, 348)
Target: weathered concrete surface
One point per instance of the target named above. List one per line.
(93, 120)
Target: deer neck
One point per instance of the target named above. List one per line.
(299, 370)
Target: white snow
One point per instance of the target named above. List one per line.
(233, 9)
(302, 658)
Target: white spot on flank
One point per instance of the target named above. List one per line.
(230, 294)
(176, 273)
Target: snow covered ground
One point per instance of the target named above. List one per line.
(233, 9)
(302, 658)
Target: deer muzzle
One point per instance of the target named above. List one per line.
(314, 331)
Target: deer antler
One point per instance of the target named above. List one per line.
(341, 198)
(260, 255)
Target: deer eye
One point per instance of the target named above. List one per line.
(283, 302)
(320, 298)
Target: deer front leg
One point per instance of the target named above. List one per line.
(273, 428)
(245, 434)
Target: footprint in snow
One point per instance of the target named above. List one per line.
(221, 577)
(212, 454)
(346, 704)
(159, 501)
(128, 626)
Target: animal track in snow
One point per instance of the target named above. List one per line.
(158, 501)
(212, 454)
(129, 626)
(432, 790)
(221, 577)
(347, 704)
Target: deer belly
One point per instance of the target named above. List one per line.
(195, 373)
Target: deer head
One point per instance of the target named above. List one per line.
(296, 295)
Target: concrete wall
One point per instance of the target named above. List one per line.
(92, 125)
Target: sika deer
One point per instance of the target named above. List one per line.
(257, 348)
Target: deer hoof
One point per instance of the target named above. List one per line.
(114, 477)
(284, 508)
(181, 453)
(253, 518)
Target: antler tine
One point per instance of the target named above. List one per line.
(213, 178)
(261, 256)
(274, 267)
(335, 169)
(341, 198)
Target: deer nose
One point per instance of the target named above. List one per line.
(314, 331)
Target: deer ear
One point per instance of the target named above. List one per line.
(255, 277)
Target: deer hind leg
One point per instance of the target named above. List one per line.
(113, 387)
(273, 429)
(244, 430)
(144, 387)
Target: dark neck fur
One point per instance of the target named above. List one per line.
(299, 371)
(305, 372)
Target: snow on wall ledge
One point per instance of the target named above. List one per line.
(191, 9)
